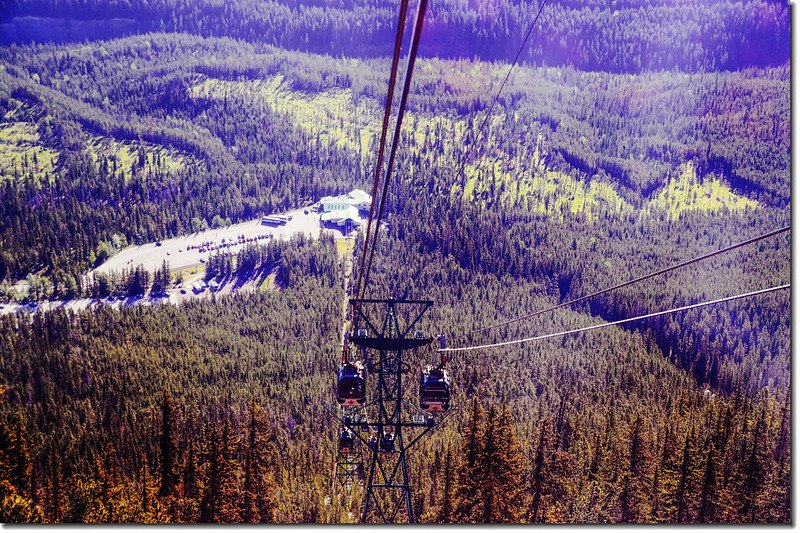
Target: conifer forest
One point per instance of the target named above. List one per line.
(530, 154)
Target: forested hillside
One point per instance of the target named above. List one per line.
(631, 137)
(149, 137)
(607, 428)
(621, 36)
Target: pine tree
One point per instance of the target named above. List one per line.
(168, 449)
(666, 481)
(549, 478)
(754, 471)
(107, 474)
(684, 489)
(490, 485)
(468, 482)
(219, 503)
(209, 504)
(229, 509)
(537, 476)
(258, 498)
(15, 506)
(145, 486)
(507, 475)
(626, 505)
(34, 484)
(490, 470)
(445, 514)
(191, 488)
(779, 509)
(782, 446)
(20, 455)
(597, 457)
(54, 511)
(637, 481)
(707, 512)
(249, 510)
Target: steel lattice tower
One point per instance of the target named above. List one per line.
(349, 464)
(388, 491)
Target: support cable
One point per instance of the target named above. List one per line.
(412, 57)
(398, 44)
(623, 321)
(502, 86)
(630, 282)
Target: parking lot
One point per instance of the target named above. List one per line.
(194, 249)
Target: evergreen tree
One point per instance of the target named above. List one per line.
(548, 477)
(637, 481)
(191, 489)
(627, 511)
(489, 471)
(259, 489)
(707, 512)
(220, 499)
(502, 463)
(15, 506)
(20, 453)
(446, 510)
(537, 475)
(212, 495)
(54, 510)
(754, 470)
(168, 449)
(469, 482)
(685, 487)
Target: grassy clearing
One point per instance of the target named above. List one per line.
(521, 181)
(22, 155)
(127, 157)
(344, 246)
(189, 274)
(268, 283)
(689, 193)
(333, 115)
(525, 182)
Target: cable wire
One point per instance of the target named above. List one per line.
(398, 44)
(629, 282)
(502, 86)
(412, 57)
(616, 323)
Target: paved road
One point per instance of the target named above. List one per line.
(176, 251)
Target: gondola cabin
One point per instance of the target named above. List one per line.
(387, 443)
(346, 441)
(434, 390)
(351, 386)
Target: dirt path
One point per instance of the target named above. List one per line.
(348, 274)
